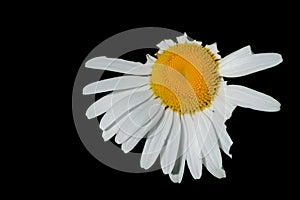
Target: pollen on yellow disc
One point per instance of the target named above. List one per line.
(185, 77)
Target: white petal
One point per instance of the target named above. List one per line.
(137, 118)
(165, 44)
(156, 140)
(114, 128)
(225, 141)
(150, 60)
(229, 108)
(159, 51)
(194, 160)
(245, 51)
(224, 104)
(118, 65)
(218, 118)
(149, 57)
(250, 64)
(197, 42)
(129, 144)
(178, 170)
(122, 106)
(109, 133)
(217, 56)
(211, 163)
(201, 130)
(182, 39)
(136, 137)
(117, 83)
(211, 154)
(248, 98)
(167, 155)
(213, 48)
(121, 136)
(102, 105)
(162, 45)
(222, 109)
(170, 43)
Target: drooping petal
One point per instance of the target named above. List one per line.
(178, 170)
(211, 153)
(105, 103)
(118, 65)
(218, 118)
(218, 113)
(117, 83)
(117, 124)
(137, 118)
(109, 133)
(129, 144)
(122, 106)
(194, 159)
(156, 140)
(250, 64)
(248, 98)
(167, 155)
(211, 162)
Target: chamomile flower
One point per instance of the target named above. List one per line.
(179, 102)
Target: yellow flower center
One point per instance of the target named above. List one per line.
(185, 77)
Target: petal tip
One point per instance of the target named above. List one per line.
(280, 59)
(85, 90)
(105, 139)
(182, 39)
(89, 117)
(277, 107)
(90, 113)
(124, 149)
(92, 62)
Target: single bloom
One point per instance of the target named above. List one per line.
(179, 102)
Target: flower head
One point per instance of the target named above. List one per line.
(179, 101)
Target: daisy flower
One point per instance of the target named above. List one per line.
(179, 102)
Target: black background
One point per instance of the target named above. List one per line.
(263, 152)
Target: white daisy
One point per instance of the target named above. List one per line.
(179, 101)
